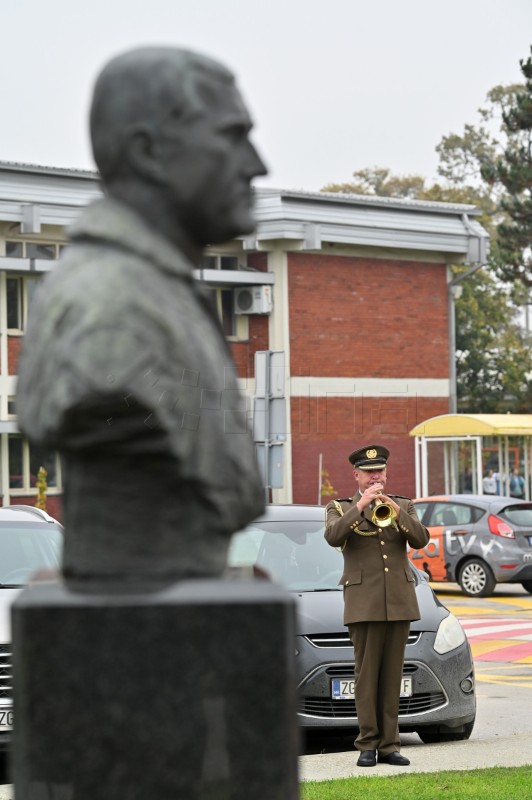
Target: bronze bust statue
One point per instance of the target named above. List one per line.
(125, 370)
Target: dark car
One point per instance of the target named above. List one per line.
(476, 541)
(30, 540)
(438, 690)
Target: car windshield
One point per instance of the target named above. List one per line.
(520, 515)
(26, 547)
(293, 553)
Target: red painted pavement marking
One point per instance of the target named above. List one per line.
(486, 629)
(512, 653)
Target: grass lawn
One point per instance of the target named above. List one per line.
(499, 783)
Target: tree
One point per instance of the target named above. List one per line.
(493, 353)
(381, 182)
(513, 169)
(493, 356)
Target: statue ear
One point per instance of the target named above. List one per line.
(141, 153)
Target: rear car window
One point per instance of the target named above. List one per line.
(292, 552)
(420, 509)
(455, 514)
(520, 515)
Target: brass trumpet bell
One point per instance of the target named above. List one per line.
(383, 514)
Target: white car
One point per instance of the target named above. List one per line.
(30, 541)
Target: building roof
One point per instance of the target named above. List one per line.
(299, 219)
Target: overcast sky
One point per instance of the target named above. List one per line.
(333, 85)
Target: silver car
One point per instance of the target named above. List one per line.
(438, 688)
(476, 541)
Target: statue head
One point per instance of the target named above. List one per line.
(170, 136)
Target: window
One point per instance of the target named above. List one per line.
(22, 249)
(420, 509)
(25, 462)
(226, 311)
(19, 295)
(15, 249)
(454, 514)
(220, 262)
(232, 325)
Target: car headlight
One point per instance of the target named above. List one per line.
(449, 636)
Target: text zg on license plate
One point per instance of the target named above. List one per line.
(6, 719)
(344, 688)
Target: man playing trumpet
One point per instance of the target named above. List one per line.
(373, 530)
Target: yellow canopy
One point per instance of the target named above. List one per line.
(475, 425)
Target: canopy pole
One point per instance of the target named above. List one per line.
(447, 466)
(424, 467)
(506, 465)
(480, 488)
(417, 466)
(527, 470)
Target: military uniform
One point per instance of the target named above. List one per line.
(379, 603)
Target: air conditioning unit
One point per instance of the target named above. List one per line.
(253, 300)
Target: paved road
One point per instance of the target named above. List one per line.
(499, 628)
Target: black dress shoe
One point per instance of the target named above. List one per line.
(395, 759)
(367, 758)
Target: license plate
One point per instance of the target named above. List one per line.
(344, 688)
(6, 719)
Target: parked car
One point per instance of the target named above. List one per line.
(476, 541)
(438, 689)
(30, 540)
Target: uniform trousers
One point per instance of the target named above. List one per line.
(379, 657)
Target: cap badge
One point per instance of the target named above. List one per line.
(371, 453)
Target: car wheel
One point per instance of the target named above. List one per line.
(527, 586)
(476, 578)
(436, 735)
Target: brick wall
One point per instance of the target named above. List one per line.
(14, 344)
(367, 317)
(342, 430)
(244, 352)
(371, 318)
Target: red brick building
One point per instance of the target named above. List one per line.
(354, 290)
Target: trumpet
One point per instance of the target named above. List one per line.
(383, 514)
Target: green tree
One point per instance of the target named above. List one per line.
(493, 358)
(493, 353)
(513, 170)
(381, 182)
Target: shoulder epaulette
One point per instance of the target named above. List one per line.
(344, 499)
(402, 496)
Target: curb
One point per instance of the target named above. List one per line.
(504, 751)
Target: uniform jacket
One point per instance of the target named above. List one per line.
(377, 579)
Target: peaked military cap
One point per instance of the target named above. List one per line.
(372, 456)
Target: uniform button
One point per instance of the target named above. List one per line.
(382, 542)
(386, 569)
(385, 556)
(346, 583)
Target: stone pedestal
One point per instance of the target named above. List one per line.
(186, 693)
